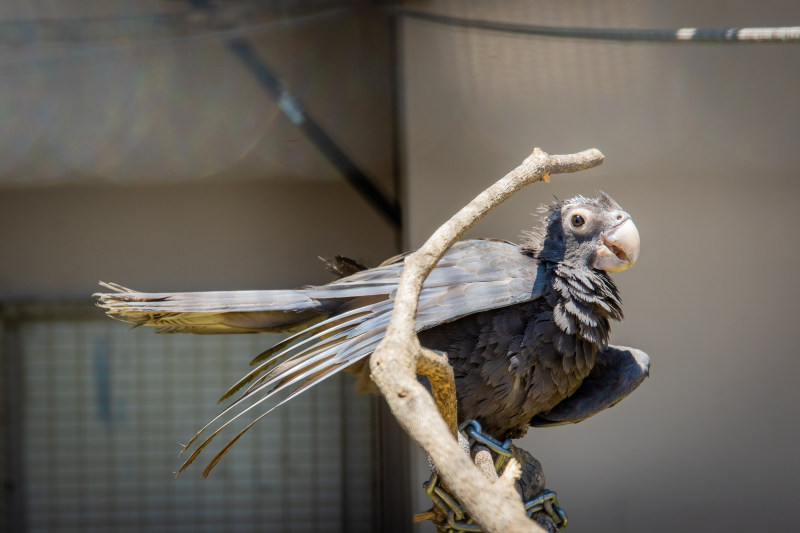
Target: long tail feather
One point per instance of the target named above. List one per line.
(311, 361)
(317, 357)
(287, 349)
(216, 459)
(352, 341)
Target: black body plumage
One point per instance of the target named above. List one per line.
(513, 363)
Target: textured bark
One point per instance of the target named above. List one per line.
(494, 505)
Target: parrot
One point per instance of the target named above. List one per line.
(525, 326)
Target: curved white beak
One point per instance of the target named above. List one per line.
(619, 249)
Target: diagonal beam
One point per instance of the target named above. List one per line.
(295, 112)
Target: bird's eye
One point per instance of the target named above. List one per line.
(578, 221)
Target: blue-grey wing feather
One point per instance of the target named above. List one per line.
(461, 284)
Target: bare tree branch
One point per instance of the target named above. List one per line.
(495, 506)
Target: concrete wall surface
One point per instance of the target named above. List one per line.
(701, 147)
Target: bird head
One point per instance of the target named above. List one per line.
(583, 232)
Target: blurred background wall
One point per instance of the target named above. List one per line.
(701, 148)
(138, 147)
(141, 144)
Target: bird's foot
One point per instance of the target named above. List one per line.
(502, 462)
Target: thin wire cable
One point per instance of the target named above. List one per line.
(789, 34)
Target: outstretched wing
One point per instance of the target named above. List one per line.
(473, 276)
(617, 372)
